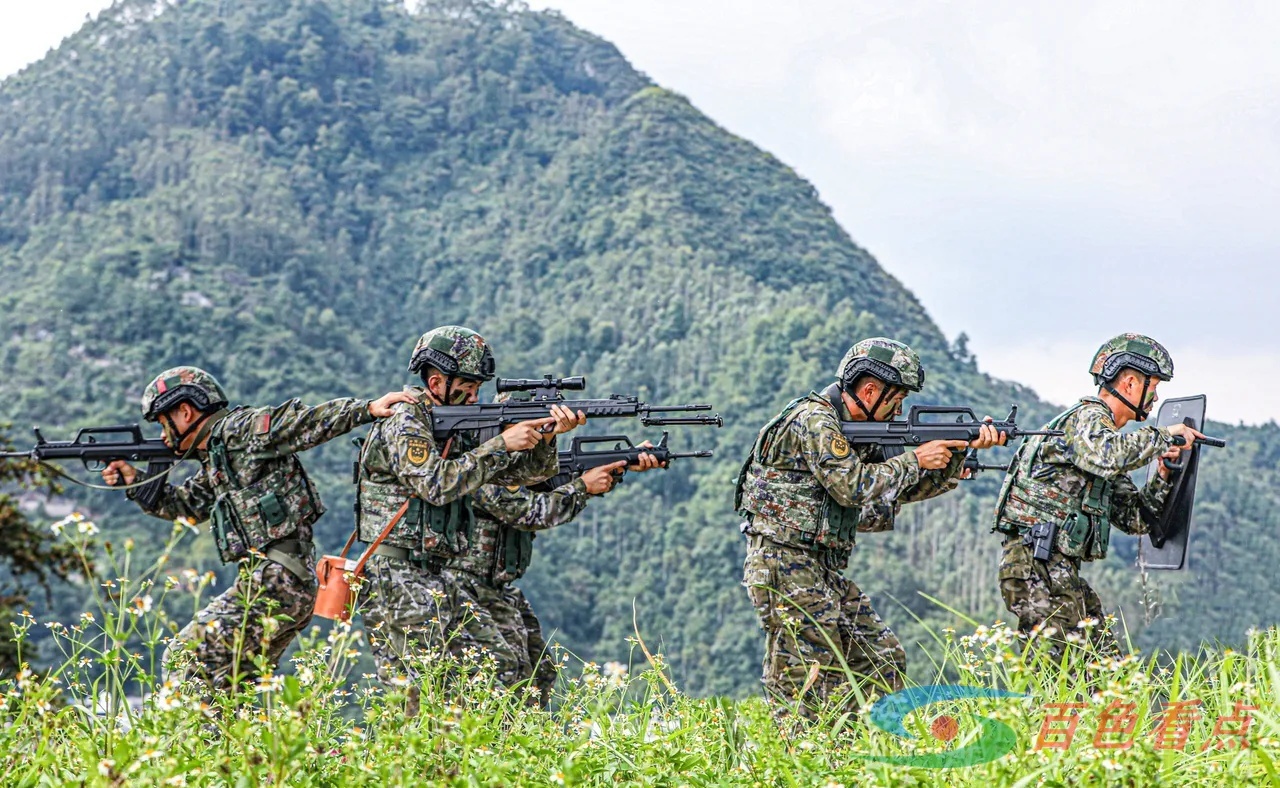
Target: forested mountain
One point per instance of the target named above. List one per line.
(288, 192)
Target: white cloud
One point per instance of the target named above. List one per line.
(30, 28)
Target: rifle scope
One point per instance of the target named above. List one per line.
(577, 383)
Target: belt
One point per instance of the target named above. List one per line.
(398, 553)
(401, 554)
(287, 553)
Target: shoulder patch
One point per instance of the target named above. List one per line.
(264, 424)
(839, 447)
(418, 450)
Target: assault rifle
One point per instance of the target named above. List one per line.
(548, 391)
(580, 457)
(917, 428)
(98, 447)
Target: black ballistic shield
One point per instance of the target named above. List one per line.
(1165, 547)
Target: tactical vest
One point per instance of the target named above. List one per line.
(431, 534)
(497, 553)
(1084, 522)
(799, 508)
(253, 516)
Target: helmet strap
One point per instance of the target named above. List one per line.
(1140, 411)
(179, 437)
(885, 390)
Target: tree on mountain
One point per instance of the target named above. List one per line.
(29, 556)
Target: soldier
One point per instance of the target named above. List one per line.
(1063, 494)
(804, 492)
(407, 600)
(255, 491)
(500, 619)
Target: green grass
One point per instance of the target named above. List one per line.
(320, 722)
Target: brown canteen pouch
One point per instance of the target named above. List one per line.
(335, 599)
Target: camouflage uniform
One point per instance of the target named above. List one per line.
(804, 491)
(1080, 482)
(259, 499)
(499, 618)
(407, 600)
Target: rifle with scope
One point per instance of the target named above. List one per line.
(547, 391)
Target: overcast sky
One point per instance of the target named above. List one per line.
(1041, 175)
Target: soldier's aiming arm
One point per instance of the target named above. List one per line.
(548, 391)
(293, 427)
(926, 423)
(586, 453)
(98, 447)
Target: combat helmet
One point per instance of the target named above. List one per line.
(887, 360)
(182, 384)
(456, 351)
(1131, 351)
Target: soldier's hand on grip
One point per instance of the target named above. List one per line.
(564, 420)
(988, 437)
(645, 461)
(526, 434)
(936, 455)
(380, 408)
(601, 480)
(117, 470)
(1188, 434)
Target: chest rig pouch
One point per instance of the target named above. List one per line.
(255, 515)
(431, 534)
(1084, 522)
(792, 498)
(515, 551)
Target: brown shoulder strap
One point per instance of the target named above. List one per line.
(359, 570)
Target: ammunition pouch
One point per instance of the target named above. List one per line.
(517, 552)
(257, 515)
(839, 525)
(445, 529)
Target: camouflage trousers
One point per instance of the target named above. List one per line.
(1053, 597)
(408, 611)
(258, 616)
(822, 637)
(500, 624)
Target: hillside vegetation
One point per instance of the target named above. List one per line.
(288, 192)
